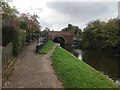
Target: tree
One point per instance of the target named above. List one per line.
(46, 29)
(23, 25)
(101, 35)
(27, 22)
(112, 34)
(30, 22)
(92, 35)
(74, 29)
(9, 15)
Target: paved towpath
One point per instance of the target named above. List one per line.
(33, 71)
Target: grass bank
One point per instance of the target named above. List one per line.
(46, 48)
(74, 73)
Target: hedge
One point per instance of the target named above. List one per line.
(14, 35)
(7, 35)
(18, 41)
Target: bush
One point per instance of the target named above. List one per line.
(15, 36)
(18, 41)
(7, 35)
(103, 36)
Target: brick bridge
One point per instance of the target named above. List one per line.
(61, 37)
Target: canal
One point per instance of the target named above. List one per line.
(107, 64)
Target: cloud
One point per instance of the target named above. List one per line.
(56, 15)
(84, 11)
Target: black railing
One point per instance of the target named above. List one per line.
(42, 44)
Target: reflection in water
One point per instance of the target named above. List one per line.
(105, 63)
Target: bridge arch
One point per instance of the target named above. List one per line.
(67, 37)
(60, 40)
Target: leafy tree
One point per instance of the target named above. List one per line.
(9, 15)
(92, 35)
(101, 35)
(112, 35)
(45, 31)
(23, 25)
(74, 29)
(29, 22)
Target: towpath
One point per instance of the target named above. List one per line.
(33, 70)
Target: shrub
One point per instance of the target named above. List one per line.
(7, 35)
(18, 41)
(15, 36)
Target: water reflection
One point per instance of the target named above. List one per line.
(105, 63)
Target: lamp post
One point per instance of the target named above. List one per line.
(1, 11)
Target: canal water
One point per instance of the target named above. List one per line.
(107, 64)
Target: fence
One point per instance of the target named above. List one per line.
(44, 42)
(7, 54)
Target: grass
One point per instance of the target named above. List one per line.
(74, 73)
(46, 48)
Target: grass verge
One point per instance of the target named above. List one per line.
(46, 48)
(74, 73)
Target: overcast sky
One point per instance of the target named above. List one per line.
(57, 15)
